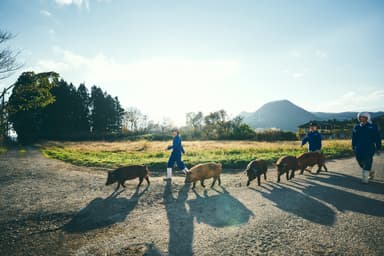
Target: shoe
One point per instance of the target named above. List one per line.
(371, 175)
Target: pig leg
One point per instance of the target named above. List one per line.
(218, 178)
(214, 181)
(265, 176)
(287, 174)
(258, 180)
(325, 167)
(118, 186)
(278, 177)
(194, 185)
(292, 174)
(122, 184)
(147, 179)
(248, 182)
(140, 181)
(202, 183)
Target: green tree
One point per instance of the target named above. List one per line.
(31, 93)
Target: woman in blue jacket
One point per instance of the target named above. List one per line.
(366, 141)
(313, 138)
(177, 151)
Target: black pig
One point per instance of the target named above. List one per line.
(130, 172)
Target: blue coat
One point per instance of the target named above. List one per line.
(176, 147)
(366, 139)
(313, 139)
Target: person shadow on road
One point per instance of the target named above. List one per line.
(180, 221)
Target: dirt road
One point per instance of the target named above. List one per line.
(48, 207)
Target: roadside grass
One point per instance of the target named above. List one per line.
(232, 154)
(3, 149)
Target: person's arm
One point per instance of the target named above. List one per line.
(173, 144)
(354, 139)
(305, 140)
(378, 141)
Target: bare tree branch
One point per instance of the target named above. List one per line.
(8, 63)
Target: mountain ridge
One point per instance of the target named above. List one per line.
(285, 115)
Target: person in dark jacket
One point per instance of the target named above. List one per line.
(313, 138)
(177, 151)
(366, 141)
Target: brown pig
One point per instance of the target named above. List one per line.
(120, 175)
(256, 168)
(202, 172)
(310, 159)
(284, 165)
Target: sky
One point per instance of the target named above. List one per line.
(167, 58)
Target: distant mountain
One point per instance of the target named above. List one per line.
(342, 116)
(285, 115)
(281, 114)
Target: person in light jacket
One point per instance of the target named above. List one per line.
(366, 141)
(177, 151)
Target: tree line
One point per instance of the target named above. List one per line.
(43, 106)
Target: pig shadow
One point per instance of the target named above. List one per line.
(350, 182)
(179, 220)
(345, 201)
(219, 210)
(300, 205)
(100, 213)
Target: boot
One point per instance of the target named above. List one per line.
(371, 175)
(185, 170)
(364, 176)
(169, 174)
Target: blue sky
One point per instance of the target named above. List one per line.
(168, 58)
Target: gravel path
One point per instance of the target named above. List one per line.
(48, 207)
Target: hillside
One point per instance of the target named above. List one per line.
(281, 114)
(285, 115)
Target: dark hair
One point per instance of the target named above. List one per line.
(175, 130)
(312, 124)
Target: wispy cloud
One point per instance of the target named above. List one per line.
(78, 3)
(321, 54)
(295, 74)
(357, 101)
(149, 83)
(45, 13)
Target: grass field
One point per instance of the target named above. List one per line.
(2, 149)
(232, 154)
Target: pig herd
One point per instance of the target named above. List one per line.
(255, 169)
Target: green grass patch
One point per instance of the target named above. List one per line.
(232, 155)
(3, 150)
(22, 150)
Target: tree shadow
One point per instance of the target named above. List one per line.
(345, 201)
(351, 182)
(219, 210)
(180, 221)
(300, 205)
(100, 213)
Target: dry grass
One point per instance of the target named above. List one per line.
(232, 154)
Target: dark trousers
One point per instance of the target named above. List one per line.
(175, 158)
(365, 161)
